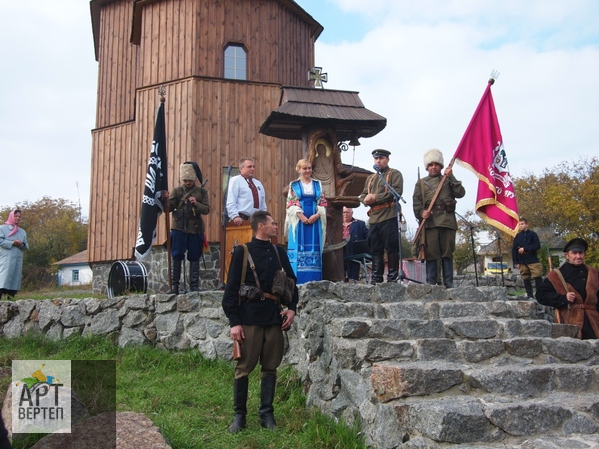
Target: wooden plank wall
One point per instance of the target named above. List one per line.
(117, 66)
(210, 120)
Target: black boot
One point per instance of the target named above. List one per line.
(194, 276)
(447, 264)
(538, 283)
(267, 396)
(393, 267)
(175, 276)
(528, 287)
(431, 272)
(378, 268)
(240, 397)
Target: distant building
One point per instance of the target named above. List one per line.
(494, 256)
(74, 270)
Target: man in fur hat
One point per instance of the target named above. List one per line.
(441, 225)
(188, 203)
(573, 290)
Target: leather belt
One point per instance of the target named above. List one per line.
(380, 206)
(244, 216)
(270, 296)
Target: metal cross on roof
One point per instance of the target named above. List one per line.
(317, 76)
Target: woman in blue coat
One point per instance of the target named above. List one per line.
(13, 242)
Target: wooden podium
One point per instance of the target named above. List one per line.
(234, 235)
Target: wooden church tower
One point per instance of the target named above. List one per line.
(222, 63)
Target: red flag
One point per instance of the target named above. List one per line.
(481, 151)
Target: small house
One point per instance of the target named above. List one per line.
(74, 270)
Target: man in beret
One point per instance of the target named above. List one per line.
(441, 225)
(524, 255)
(572, 290)
(384, 231)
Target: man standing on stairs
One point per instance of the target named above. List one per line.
(524, 255)
(245, 194)
(384, 233)
(257, 321)
(441, 225)
(573, 289)
(188, 203)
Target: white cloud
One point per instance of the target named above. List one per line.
(426, 64)
(421, 64)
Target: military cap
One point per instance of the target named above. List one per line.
(576, 244)
(379, 152)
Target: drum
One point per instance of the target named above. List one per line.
(127, 277)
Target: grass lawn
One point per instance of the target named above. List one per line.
(188, 397)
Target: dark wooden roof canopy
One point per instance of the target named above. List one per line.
(303, 108)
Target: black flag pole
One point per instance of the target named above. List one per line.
(155, 188)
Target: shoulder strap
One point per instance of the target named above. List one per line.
(278, 257)
(252, 266)
(561, 278)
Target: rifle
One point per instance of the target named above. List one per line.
(422, 244)
(432, 203)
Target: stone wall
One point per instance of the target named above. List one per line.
(416, 366)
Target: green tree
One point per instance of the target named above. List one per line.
(564, 198)
(55, 230)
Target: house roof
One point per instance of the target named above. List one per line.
(96, 6)
(75, 259)
(301, 107)
(491, 249)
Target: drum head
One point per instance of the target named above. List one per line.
(126, 277)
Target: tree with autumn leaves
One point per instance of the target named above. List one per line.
(55, 230)
(565, 198)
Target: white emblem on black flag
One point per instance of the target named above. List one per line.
(156, 183)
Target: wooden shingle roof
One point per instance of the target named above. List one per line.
(342, 110)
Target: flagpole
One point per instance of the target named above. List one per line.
(162, 92)
(494, 76)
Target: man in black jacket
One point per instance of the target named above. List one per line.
(524, 255)
(258, 324)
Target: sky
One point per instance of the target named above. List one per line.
(423, 65)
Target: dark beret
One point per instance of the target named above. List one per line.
(380, 152)
(576, 244)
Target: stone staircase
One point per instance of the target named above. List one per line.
(424, 367)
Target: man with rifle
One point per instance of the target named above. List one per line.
(434, 202)
(188, 203)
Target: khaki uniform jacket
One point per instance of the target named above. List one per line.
(452, 189)
(383, 196)
(186, 217)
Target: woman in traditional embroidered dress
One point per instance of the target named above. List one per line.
(13, 241)
(305, 224)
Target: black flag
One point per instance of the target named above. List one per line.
(156, 183)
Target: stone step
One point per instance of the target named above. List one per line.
(495, 352)
(451, 328)
(499, 421)
(396, 292)
(396, 381)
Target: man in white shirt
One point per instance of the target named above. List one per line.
(246, 194)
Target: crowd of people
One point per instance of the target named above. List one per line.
(252, 302)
